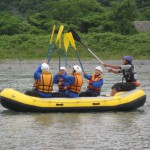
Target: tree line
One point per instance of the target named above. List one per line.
(38, 16)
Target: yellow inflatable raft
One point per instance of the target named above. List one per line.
(123, 101)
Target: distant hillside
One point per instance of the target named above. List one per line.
(39, 16)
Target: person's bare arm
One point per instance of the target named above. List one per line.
(112, 66)
(113, 70)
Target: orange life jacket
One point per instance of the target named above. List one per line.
(136, 83)
(94, 79)
(76, 87)
(46, 83)
(60, 85)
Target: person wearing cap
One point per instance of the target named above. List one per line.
(43, 82)
(95, 83)
(129, 74)
(72, 83)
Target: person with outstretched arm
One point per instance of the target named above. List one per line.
(129, 75)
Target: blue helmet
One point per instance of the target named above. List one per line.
(128, 58)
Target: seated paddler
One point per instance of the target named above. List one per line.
(60, 82)
(43, 82)
(72, 83)
(95, 83)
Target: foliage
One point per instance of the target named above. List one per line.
(146, 12)
(123, 15)
(9, 24)
(103, 24)
(38, 16)
(104, 45)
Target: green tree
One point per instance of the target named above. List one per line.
(146, 13)
(9, 24)
(142, 3)
(124, 13)
(72, 12)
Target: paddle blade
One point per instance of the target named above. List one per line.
(72, 40)
(66, 41)
(52, 34)
(75, 35)
(59, 33)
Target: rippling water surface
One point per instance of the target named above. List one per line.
(73, 131)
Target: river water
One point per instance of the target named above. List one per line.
(73, 131)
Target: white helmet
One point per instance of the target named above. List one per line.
(62, 68)
(45, 67)
(77, 68)
(99, 68)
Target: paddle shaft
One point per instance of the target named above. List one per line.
(50, 43)
(51, 54)
(66, 60)
(48, 51)
(77, 38)
(91, 52)
(59, 58)
(79, 60)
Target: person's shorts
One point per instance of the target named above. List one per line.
(123, 87)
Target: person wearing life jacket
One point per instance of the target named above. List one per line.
(43, 84)
(72, 83)
(95, 83)
(61, 86)
(60, 82)
(129, 74)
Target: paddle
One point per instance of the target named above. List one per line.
(57, 38)
(50, 42)
(66, 45)
(77, 38)
(73, 45)
(59, 33)
(59, 52)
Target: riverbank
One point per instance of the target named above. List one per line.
(105, 45)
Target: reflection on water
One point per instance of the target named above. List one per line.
(72, 131)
